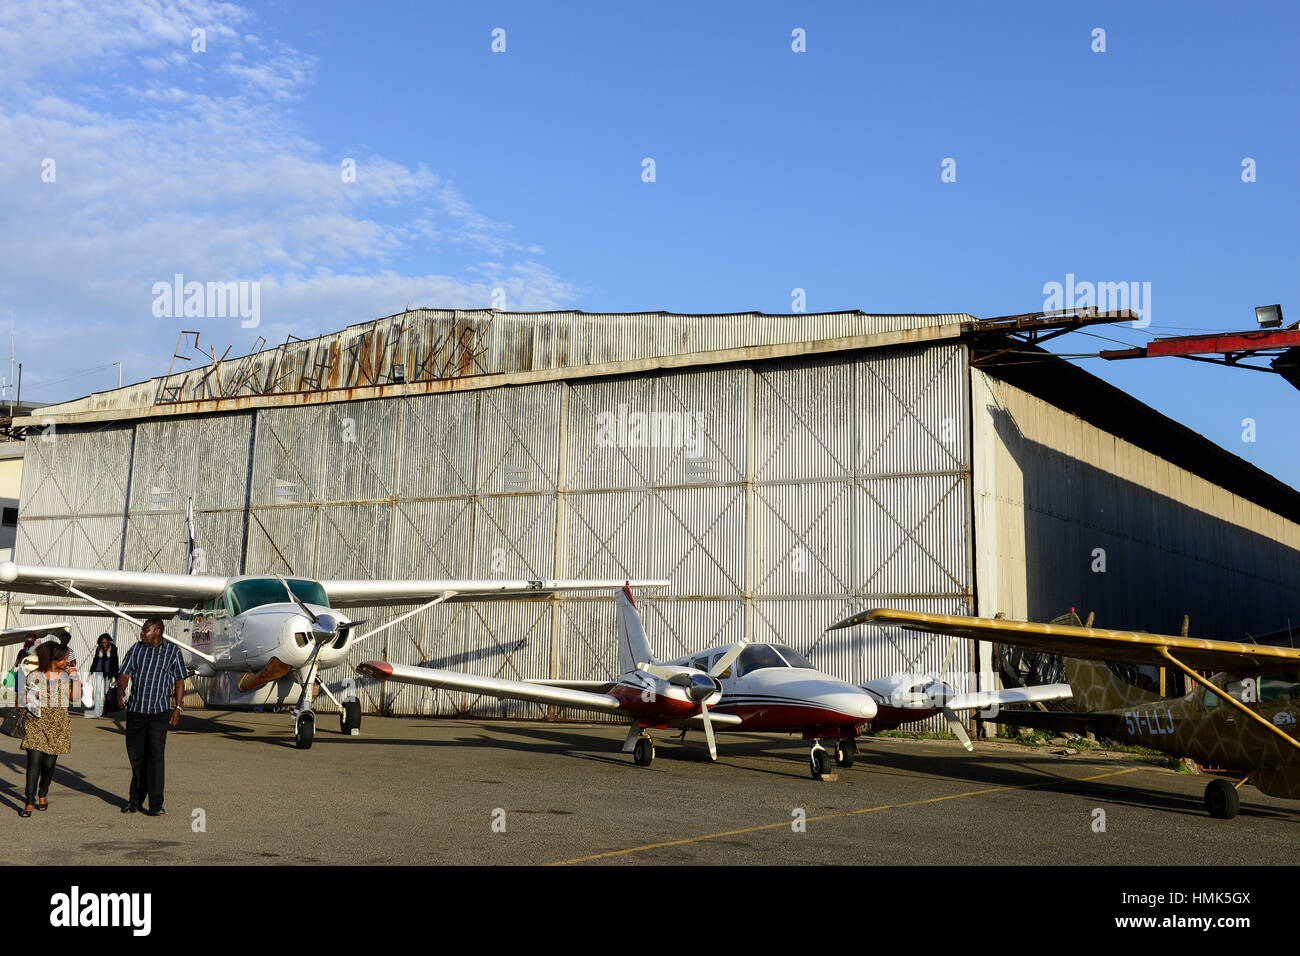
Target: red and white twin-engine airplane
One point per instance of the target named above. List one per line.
(744, 687)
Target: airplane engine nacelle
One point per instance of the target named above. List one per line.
(699, 687)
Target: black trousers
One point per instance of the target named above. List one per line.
(146, 741)
(40, 768)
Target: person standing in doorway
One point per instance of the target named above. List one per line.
(154, 671)
(103, 669)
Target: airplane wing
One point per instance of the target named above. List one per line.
(490, 686)
(163, 611)
(16, 635)
(131, 586)
(983, 699)
(1092, 643)
(344, 594)
(167, 592)
(534, 691)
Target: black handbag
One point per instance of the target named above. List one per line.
(15, 724)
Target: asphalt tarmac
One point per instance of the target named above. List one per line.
(419, 791)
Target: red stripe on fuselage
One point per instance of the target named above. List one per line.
(786, 718)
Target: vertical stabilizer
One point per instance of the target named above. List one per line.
(633, 648)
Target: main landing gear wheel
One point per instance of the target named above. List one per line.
(350, 717)
(819, 761)
(1221, 800)
(304, 731)
(845, 751)
(643, 752)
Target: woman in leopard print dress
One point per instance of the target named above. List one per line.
(47, 731)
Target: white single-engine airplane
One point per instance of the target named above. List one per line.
(742, 688)
(264, 638)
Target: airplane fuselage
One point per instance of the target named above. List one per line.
(776, 697)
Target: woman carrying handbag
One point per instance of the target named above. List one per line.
(47, 731)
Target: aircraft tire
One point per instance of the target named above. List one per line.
(304, 731)
(820, 764)
(1222, 800)
(644, 752)
(350, 717)
(845, 753)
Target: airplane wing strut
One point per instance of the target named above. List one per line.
(117, 612)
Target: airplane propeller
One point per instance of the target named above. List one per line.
(954, 723)
(699, 687)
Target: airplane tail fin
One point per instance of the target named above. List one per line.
(633, 648)
(1096, 688)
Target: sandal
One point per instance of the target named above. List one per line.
(43, 806)
(24, 812)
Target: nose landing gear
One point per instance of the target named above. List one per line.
(845, 752)
(304, 729)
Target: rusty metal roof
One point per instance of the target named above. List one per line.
(426, 350)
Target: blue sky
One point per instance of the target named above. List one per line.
(775, 170)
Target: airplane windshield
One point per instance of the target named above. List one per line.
(757, 657)
(256, 592)
(792, 657)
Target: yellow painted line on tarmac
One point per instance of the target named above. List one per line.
(847, 813)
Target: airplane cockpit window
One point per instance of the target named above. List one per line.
(256, 592)
(792, 657)
(309, 591)
(756, 657)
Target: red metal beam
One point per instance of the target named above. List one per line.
(1218, 343)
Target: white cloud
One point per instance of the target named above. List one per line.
(169, 161)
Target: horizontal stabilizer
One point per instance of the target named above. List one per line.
(1052, 720)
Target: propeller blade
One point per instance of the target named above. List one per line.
(727, 659)
(957, 728)
(947, 658)
(654, 670)
(708, 732)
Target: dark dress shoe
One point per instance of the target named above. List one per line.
(131, 808)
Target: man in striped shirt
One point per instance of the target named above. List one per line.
(154, 668)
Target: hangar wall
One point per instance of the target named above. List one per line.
(823, 486)
(1050, 488)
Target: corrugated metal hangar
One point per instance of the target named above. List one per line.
(784, 471)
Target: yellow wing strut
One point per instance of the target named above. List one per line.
(1226, 697)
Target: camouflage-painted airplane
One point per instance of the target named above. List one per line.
(1244, 718)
